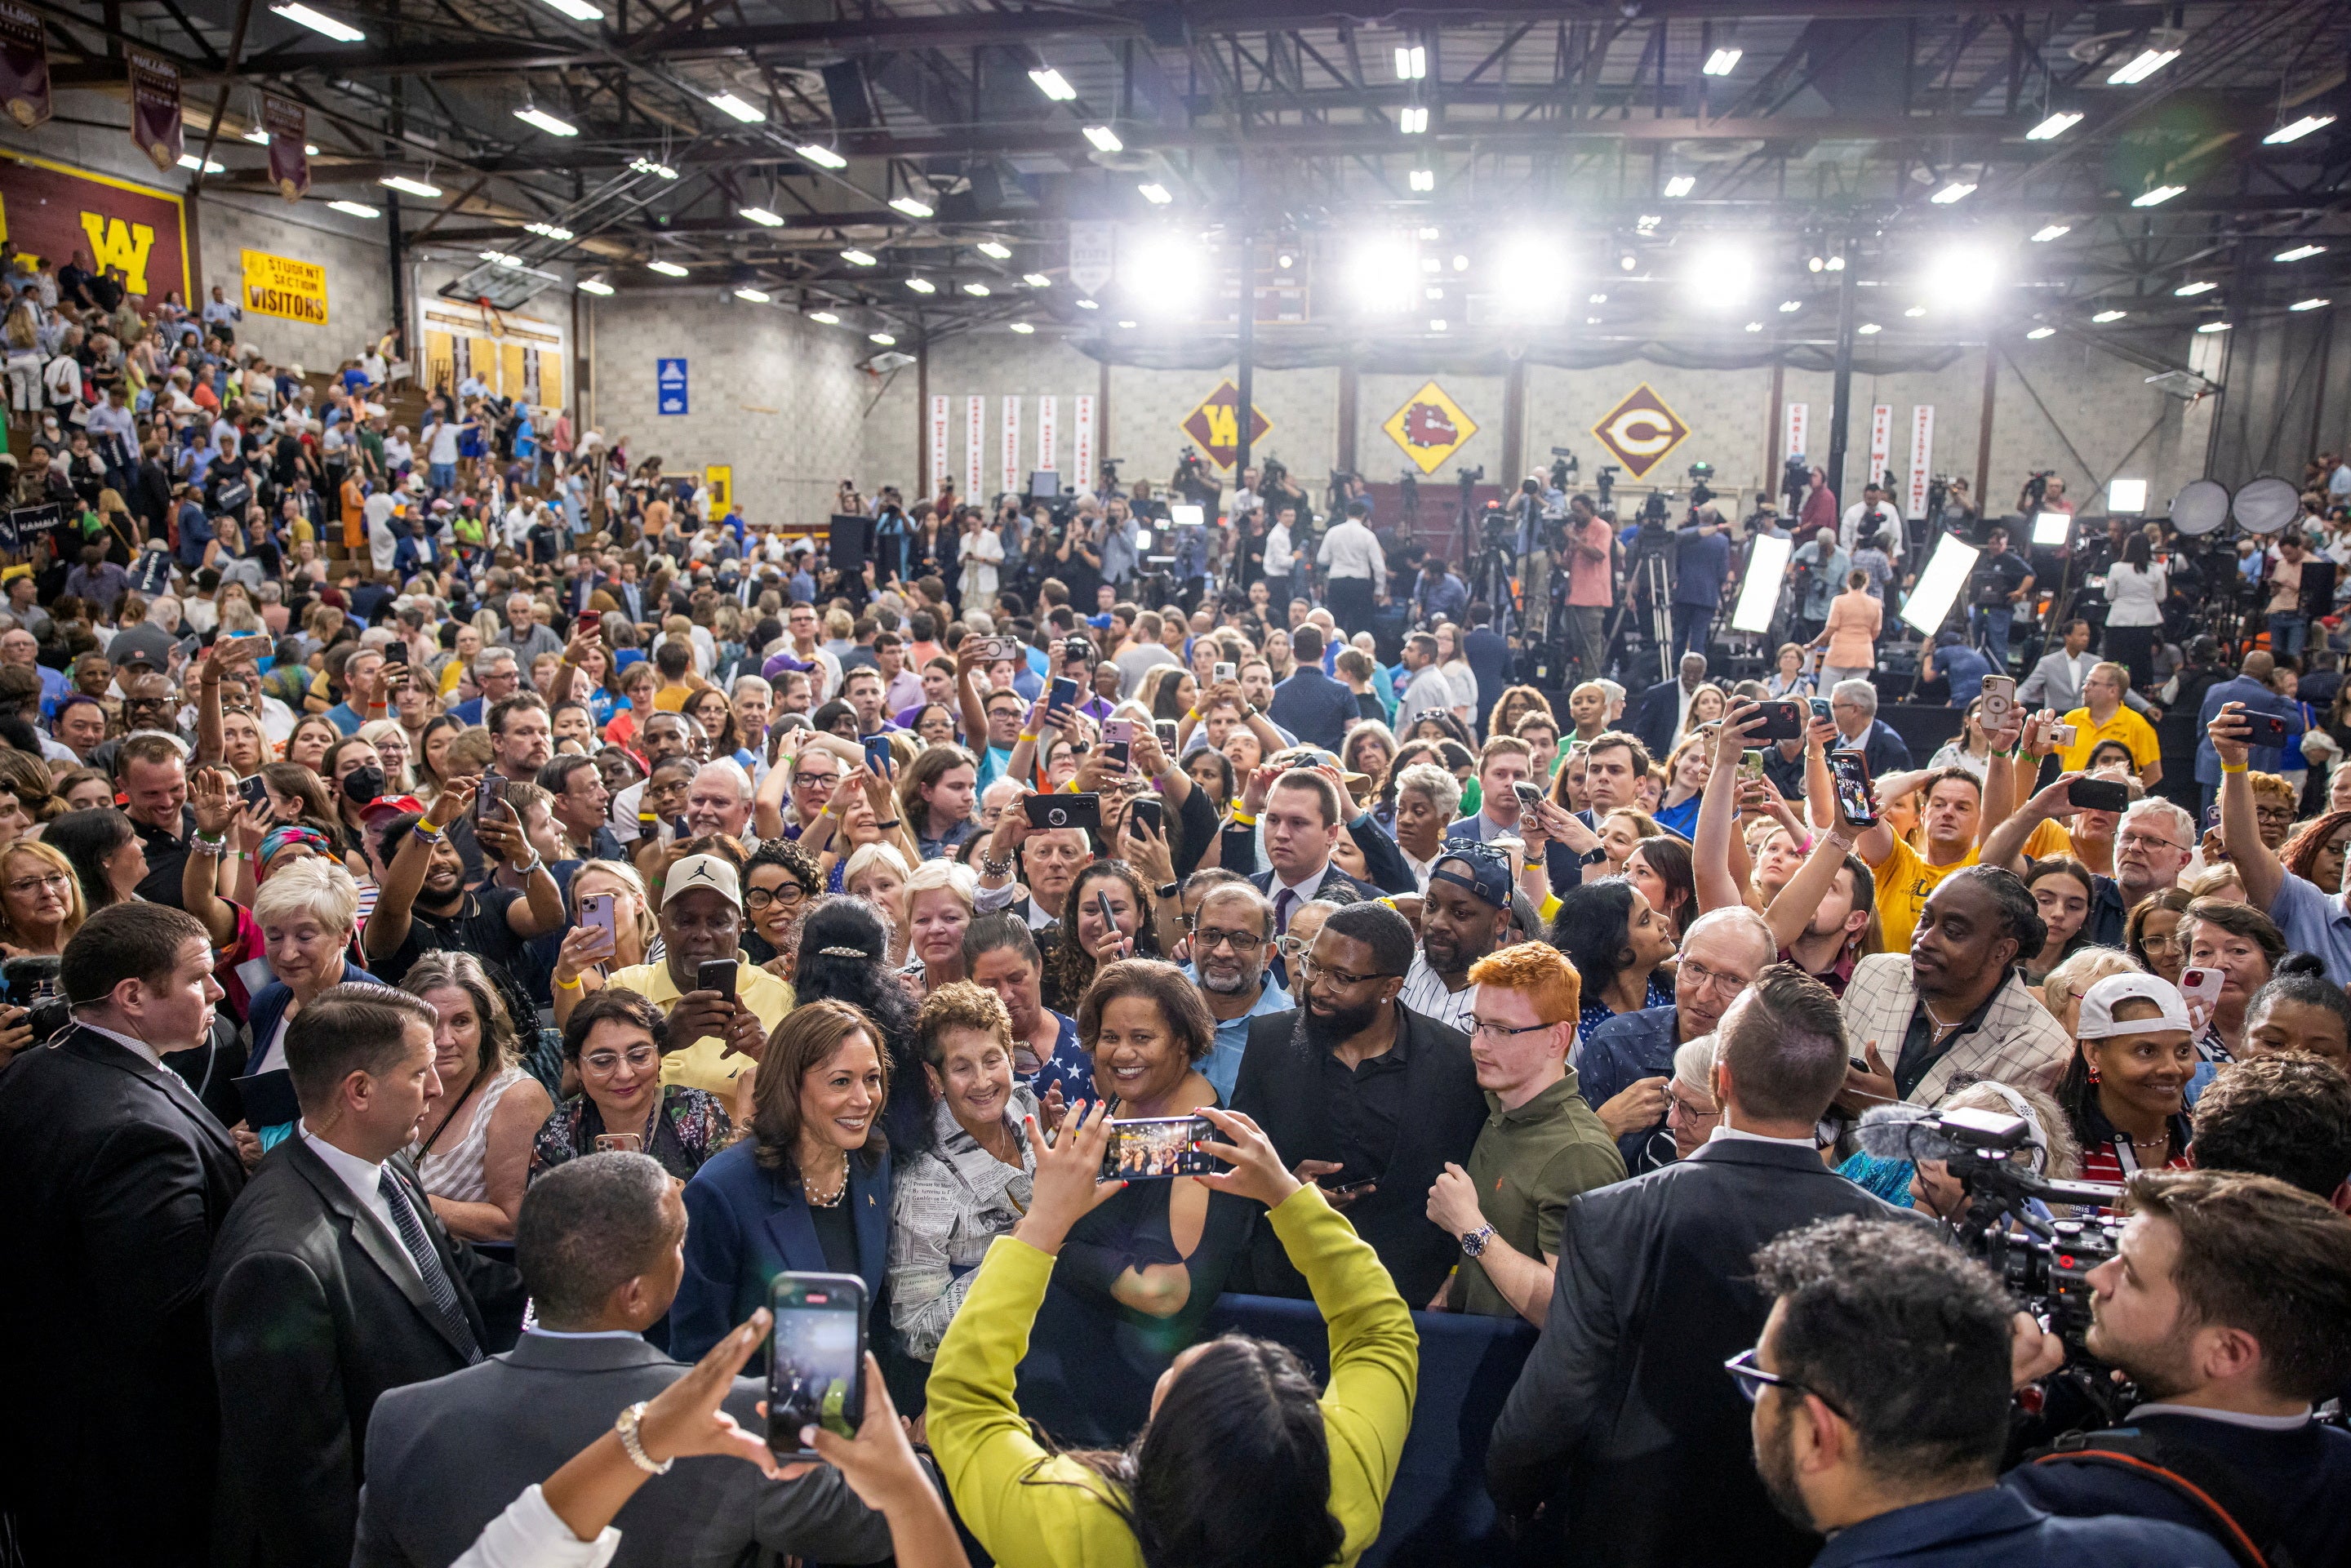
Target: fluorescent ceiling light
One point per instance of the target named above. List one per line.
(578, 10)
(356, 209)
(2300, 252)
(1598, 299)
(1722, 62)
(1957, 191)
(1414, 120)
(1104, 139)
(667, 268)
(756, 296)
(1424, 178)
(750, 114)
(2102, 317)
(319, 22)
(1022, 328)
(1755, 326)
(501, 258)
(596, 286)
(190, 160)
(1411, 62)
(914, 207)
(2190, 290)
(1127, 326)
(762, 216)
(549, 231)
(976, 290)
(2145, 65)
(1438, 325)
(1916, 310)
(2308, 305)
(257, 136)
(1089, 305)
(1869, 328)
(413, 187)
(1681, 185)
(1052, 84)
(2213, 327)
(1789, 306)
(2043, 235)
(2040, 332)
(1156, 193)
(823, 157)
(531, 115)
(2053, 127)
(2298, 130)
(2157, 196)
(647, 166)
(1036, 281)
(993, 251)
(884, 338)
(856, 258)
(921, 286)
(825, 317)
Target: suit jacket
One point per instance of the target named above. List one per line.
(114, 1183)
(1281, 1086)
(746, 1224)
(1623, 1418)
(445, 1457)
(316, 1313)
(1655, 717)
(2257, 698)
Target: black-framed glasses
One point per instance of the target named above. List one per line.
(791, 895)
(1308, 969)
(1488, 1028)
(1208, 939)
(1752, 1380)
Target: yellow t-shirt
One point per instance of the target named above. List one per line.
(2125, 727)
(671, 699)
(703, 1064)
(1905, 881)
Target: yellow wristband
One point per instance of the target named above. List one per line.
(1030, 739)
(2239, 767)
(1243, 819)
(428, 827)
(562, 985)
(1193, 715)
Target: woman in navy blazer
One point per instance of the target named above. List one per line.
(808, 1191)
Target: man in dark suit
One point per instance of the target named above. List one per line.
(114, 1181)
(601, 1245)
(333, 1282)
(1302, 812)
(1656, 717)
(1309, 704)
(1623, 1421)
(1352, 1087)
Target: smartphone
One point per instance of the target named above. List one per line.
(1102, 908)
(2267, 729)
(626, 1143)
(1158, 1147)
(1062, 810)
(1528, 794)
(1118, 742)
(2098, 794)
(996, 650)
(1150, 816)
(595, 910)
(1750, 766)
(1850, 772)
(254, 792)
(1782, 721)
(1820, 709)
(1224, 672)
(716, 975)
(877, 755)
(1999, 702)
(1364, 1185)
(816, 1358)
(1164, 730)
(1063, 698)
(493, 792)
(2201, 986)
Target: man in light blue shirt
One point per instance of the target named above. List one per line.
(1231, 942)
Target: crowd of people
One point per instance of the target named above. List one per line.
(448, 986)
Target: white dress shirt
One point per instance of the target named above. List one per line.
(1850, 534)
(364, 1178)
(529, 1534)
(131, 1043)
(1351, 550)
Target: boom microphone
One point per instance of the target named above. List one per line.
(1914, 1133)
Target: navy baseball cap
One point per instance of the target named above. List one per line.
(1480, 868)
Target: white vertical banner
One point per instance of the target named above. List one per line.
(1922, 455)
(938, 443)
(1881, 441)
(1011, 438)
(1049, 430)
(1797, 436)
(974, 446)
(1081, 459)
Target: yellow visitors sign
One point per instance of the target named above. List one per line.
(280, 285)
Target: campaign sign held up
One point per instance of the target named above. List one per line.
(669, 386)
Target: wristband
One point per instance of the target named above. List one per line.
(1533, 860)
(892, 822)
(1243, 819)
(2239, 767)
(428, 828)
(1031, 739)
(563, 984)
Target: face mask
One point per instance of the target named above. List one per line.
(361, 785)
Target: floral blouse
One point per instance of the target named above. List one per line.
(691, 1126)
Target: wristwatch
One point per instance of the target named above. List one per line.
(1473, 1245)
(1593, 856)
(1170, 889)
(626, 1426)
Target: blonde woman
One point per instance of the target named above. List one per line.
(936, 902)
(878, 874)
(40, 901)
(582, 961)
(390, 742)
(2062, 989)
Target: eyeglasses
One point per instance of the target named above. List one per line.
(2274, 814)
(2149, 842)
(1493, 1030)
(2160, 944)
(1752, 1378)
(1207, 940)
(790, 895)
(640, 1057)
(24, 886)
(1310, 971)
(1721, 981)
(815, 780)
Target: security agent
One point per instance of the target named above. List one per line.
(2228, 1304)
(1881, 1393)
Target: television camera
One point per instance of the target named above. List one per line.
(1795, 478)
(1562, 467)
(1605, 478)
(2036, 492)
(1700, 494)
(1192, 479)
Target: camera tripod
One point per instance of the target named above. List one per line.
(1645, 574)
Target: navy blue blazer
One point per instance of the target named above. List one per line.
(746, 1224)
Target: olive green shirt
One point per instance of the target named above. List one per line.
(1528, 1164)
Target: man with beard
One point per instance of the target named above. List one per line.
(425, 906)
(1231, 939)
(1353, 1088)
(1464, 915)
(2153, 845)
(1623, 1422)
(2228, 1303)
(1880, 1386)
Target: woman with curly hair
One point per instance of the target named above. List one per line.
(613, 1042)
(842, 957)
(1513, 705)
(1086, 941)
(1615, 938)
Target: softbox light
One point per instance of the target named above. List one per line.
(1941, 584)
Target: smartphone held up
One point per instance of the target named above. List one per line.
(816, 1359)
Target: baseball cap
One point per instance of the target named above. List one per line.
(383, 808)
(704, 871)
(2098, 1020)
(1482, 869)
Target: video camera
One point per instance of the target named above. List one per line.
(1192, 479)
(31, 983)
(1795, 478)
(2036, 491)
(1562, 467)
(1700, 473)
(1605, 478)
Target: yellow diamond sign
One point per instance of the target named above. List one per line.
(1430, 427)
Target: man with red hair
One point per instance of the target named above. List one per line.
(1540, 1145)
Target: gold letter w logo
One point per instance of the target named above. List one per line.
(114, 243)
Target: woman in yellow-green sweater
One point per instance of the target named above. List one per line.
(1240, 1462)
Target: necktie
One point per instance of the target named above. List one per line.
(1281, 902)
(437, 1283)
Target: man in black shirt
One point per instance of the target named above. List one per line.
(2000, 581)
(425, 905)
(153, 778)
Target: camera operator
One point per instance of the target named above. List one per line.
(1439, 595)
(1701, 571)
(1281, 558)
(2002, 580)
(1875, 510)
(1881, 1391)
(2228, 1303)
(1822, 563)
(1589, 542)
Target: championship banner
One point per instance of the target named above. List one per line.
(1794, 439)
(1048, 430)
(937, 473)
(1922, 455)
(1081, 462)
(289, 124)
(975, 443)
(50, 211)
(1881, 442)
(282, 286)
(1093, 255)
(1010, 436)
(24, 66)
(155, 108)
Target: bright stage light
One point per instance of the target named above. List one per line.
(2309, 304)
(756, 296)
(318, 22)
(1680, 185)
(1939, 586)
(1721, 275)
(1023, 327)
(2050, 528)
(914, 207)
(1381, 276)
(1528, 276)
(1869, 328)
(763, 217)
(1036, 281)
(2299, 253)
(356, 209)
(921, 286)
(2126, 496)
(2157, 196)
(825, 317)
(1157, 195)
(1721, 63)
(1162, 274)
(2298, 130)
(2040, 332)
(2102, 317)
(413, 187)
(1961, 277)
(1957, 191)
(1758, 594)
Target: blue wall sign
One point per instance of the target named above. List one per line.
(669, 386)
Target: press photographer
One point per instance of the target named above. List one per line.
(2002, 580)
